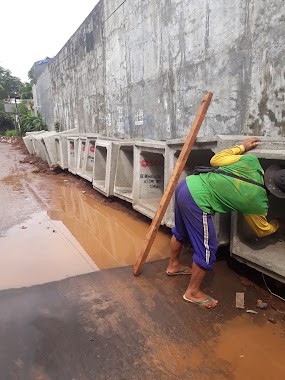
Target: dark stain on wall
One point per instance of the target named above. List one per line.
(89, 42)
(262, 105)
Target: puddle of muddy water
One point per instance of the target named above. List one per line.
(38, 251)
(112, 238)
(243, 349)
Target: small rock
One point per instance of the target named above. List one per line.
(272, 320)
(83, 192)
(251, 311)
(261, 305)
(65, 180)
(23, 227)
(53, 230)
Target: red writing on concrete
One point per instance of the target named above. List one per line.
(146, 163)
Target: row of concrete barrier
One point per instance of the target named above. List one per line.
(138, 172)
(135, 171)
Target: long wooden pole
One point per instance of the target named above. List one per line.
(180, 164)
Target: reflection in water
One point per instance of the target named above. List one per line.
(111, 237)
(38, 251)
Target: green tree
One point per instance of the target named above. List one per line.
(9, 84)
(26, 91)
(30, 76)
(6, 119)
(31, 123)
(22, 108)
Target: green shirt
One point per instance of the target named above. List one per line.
(215, 192)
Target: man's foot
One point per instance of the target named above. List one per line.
(200, 299)
(178, 270)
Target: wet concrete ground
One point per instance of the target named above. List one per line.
(80, 322)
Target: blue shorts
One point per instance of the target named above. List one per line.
(194, 224)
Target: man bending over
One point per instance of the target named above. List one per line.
(199, 196)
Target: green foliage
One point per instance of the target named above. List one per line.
(31, 123)
(9, 84)
(26, 91)
(23, 109)
(57, 126)
(30, 75)
(10, 133)
(6, 119)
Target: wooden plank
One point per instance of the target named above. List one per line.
(174, 178)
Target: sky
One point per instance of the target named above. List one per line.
(34, 29)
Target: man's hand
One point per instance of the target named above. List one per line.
(250, 143)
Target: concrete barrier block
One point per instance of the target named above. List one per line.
(81, 152)
(36, 147)
(61, 151)
(266, 144)
(40, 147)
(28, 140)
(149, 181)
(104, 166)
(48, 147)
(61, 147)
(49, 143)
(88, 163)
(264, 254)
(123, 185)
(35, 132)
(72, 152)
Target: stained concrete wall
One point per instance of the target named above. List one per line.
(43, 98)
(138, 69)
(78, 77)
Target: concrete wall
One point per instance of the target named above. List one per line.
(138, 69)
(78, 77)
(43, 98)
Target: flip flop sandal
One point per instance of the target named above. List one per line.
(182, 271)
(200, 303)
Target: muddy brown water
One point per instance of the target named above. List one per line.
(242, 349)
(74, 235)
(51, 230)
(111, 237)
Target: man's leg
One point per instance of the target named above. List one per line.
(193, 291)
(202, 234)
(174, 264)
(179, 233)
